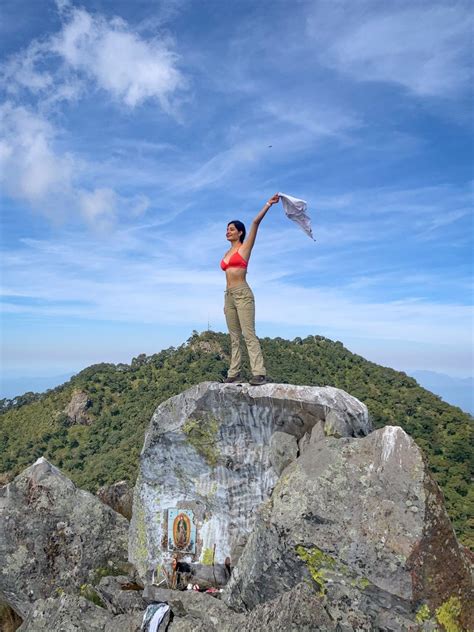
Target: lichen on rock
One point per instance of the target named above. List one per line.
(207, 557)
(448, 614)
(201, 432)
(317, 562)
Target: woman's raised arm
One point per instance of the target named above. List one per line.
(247, 246)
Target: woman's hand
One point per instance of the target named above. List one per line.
(274, 199)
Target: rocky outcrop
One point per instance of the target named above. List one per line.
(363, 520)
(54, 537)
(119, 496)
(281, 493)
(76, 410)
(299, 610)
(206, 466)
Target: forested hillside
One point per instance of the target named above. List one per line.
(121, 399)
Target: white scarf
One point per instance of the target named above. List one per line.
(295, 209)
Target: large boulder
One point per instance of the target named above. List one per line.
(364, 521)
(54, 537)
(206, 465)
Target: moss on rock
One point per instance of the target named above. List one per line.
(423, 613)
(207, 557)
(317, 562)
(448, 614)
(88, 592)
(201, 433)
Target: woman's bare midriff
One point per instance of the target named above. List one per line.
(235, 276)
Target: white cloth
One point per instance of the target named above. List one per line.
(153, 616)
(295, 209)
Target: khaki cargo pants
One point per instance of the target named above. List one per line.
(239, 309)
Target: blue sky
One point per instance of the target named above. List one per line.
(132, 132)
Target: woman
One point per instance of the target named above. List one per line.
(239, 305)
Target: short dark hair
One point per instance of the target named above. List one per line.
(240, 227)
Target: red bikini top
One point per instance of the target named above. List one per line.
(236, 261)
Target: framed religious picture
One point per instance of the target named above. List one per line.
(181, 531)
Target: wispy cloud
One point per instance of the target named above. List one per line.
(35, 170)
(126, 66)
(424, 47)
(122, 63)
(143, 290)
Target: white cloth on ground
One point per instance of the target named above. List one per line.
(154, 615)
(295, 210)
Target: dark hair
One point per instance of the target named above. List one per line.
(240, 227)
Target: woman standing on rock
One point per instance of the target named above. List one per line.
(239, 305)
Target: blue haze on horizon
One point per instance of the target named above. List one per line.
(131, 133)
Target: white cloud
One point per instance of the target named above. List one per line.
(315, 119)
(122, 63)
(164, 285)
(89, 51)
(98, 205)
(30, 168)
(21, 70)
(130, 68)
(152, 282)
(422, 46)
(35, 170)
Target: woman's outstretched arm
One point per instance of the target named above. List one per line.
(247, 246)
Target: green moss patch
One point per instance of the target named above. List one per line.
(201, 433)
(448, 614)
(321, 564)
(88, 592)
(207, 557)
(318, 563)
(423, 614)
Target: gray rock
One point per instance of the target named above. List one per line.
(119, 496)
(318, 432)
(304, 442)
(207, 451)
(283, 450)
(53, 536)
(130, 622)
(196, 612)
(120, 594)
(76, 410)
(67, 613)
(72, 613)
(338, 517)
(298, 610)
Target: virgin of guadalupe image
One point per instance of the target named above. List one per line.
(181, 531)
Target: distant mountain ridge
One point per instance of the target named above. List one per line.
(93, 426)
(456, 391)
